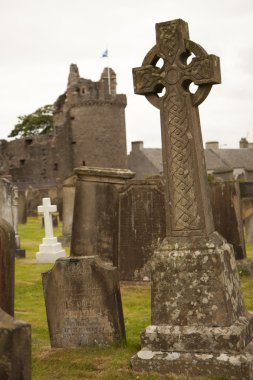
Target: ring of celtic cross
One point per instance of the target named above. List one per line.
(152, 57)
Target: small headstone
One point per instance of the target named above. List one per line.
(50, 249)
(68, 197)
(15, 348)
(227, 213)
(82, 293)
(83, 303)
(9, 209)
(7, 263)
(22, 207)
(199, 325)
(95, 224)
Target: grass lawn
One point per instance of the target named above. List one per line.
(84, 363)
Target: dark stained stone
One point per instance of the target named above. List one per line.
(199, 325)
(7, 263)
(83, 303)
(15, 348)
(141, 227)
(226, 207)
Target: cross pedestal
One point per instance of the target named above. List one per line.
(199, 325)
(50, 250)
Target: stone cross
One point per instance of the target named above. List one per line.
(188, 211)
(47, 209)
(197, 306)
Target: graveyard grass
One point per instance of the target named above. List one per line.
(86, 362)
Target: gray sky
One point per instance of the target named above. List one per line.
(39, 39)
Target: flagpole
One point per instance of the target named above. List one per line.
(108, 73)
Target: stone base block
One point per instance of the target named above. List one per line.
(42, 257)
(232, 339)
(196, 287)
(15, 348)
(49, 251)
(230, 366)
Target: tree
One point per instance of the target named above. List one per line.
(39, 122)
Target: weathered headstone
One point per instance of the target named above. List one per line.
(141, 227)
(227, 213)
(95, 225)
(7, 264)
(22, 207)
(199, 324)
(9, 209)
(68, 197)
(15, 348)
(247, 209)
(50, 249)
(249, 229)
(82, 293)
(142, 223)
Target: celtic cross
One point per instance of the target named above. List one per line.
(188, 211)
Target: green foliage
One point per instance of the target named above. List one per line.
(39, 122)
(91, 363)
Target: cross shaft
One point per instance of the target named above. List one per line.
(188, 211)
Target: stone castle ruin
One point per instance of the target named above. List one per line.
(89, 118)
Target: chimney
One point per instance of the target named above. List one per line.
(243, 143)
(137, 146)
(212, 145)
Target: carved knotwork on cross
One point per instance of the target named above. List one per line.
(187, 203)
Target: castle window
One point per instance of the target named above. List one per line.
(22, 162)
(72, 118)
(55, 166)
(73, 142)
(83, 90)
(28, 141)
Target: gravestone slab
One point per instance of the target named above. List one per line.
(15, 348)
(95, 225)
(9, 209)
(199, 325)
(141, 227)
(68, 197)
(142, 224)
(50, 249)
(83, 303)
(82, 293)
(22, 207)
(7, 265)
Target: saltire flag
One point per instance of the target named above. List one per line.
(105, 54)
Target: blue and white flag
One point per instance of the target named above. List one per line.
(105, 54)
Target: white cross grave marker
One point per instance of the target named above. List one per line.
(47, 209)
(50, 249)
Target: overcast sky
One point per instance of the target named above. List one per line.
(39, 39)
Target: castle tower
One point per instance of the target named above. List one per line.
(94, 115)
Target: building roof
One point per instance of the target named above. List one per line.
(217, 160)
(229, 159)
